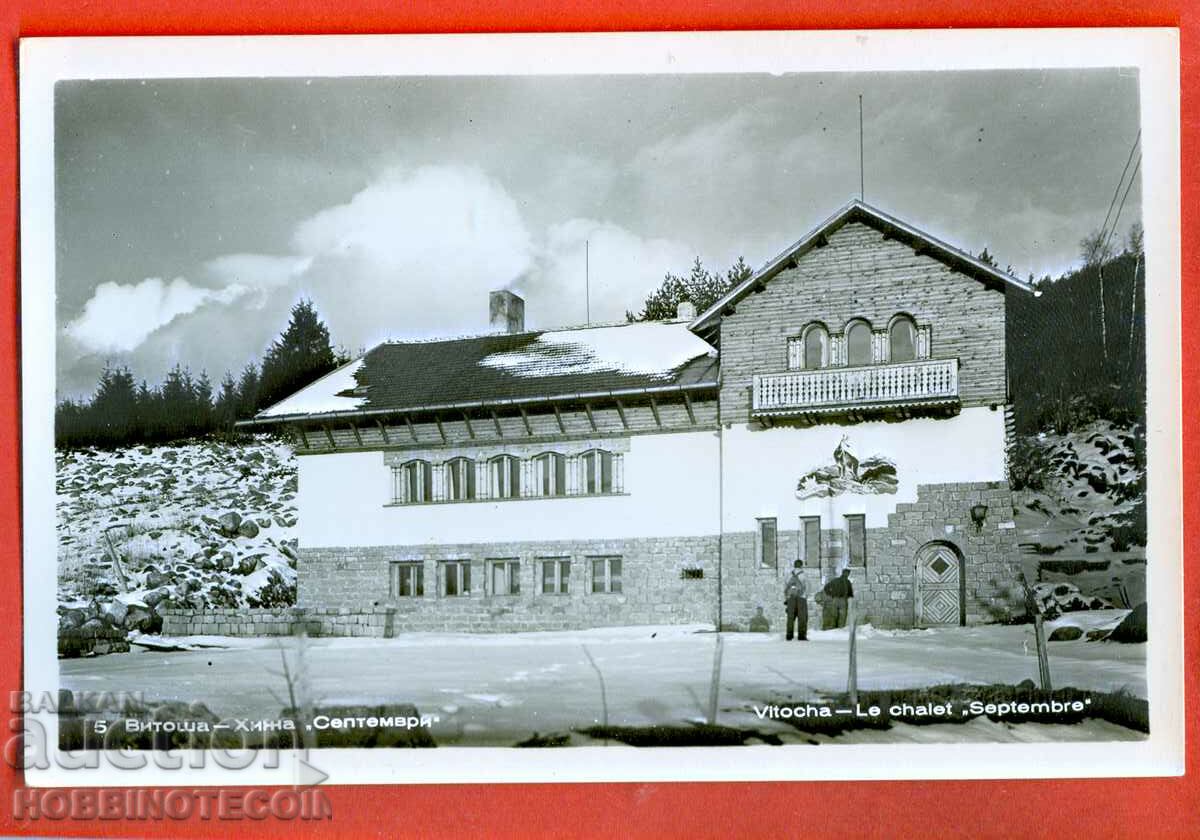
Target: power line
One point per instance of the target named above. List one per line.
(1129, 186)
(1103, 238)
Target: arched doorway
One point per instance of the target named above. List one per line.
(941, 585)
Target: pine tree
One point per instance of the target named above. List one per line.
(702, 287)
(247, 389)
(114, 407)
(225, 409)
(299, 356)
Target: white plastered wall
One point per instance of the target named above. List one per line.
(763, 467)
(671, 486)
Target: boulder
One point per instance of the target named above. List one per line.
(154, 578)
(230, 522)
(71, 618)
(153, 598)
(1066, 633)
(137, 618)
(1132, 628)
(263, 521)
(114, 612)
(247, 565)
(248, 529)
(225, 560)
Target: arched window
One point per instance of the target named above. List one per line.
(858, 344)
(504, 476)
(412, 483)
(550, 474)
(902, 340)
(459, 479)
(597, 471)
(809, 350)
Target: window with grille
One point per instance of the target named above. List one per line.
(408, 580)
(549, 474)
(504, 474)
(459, 479)
(412, 483)
(856, 539)
(556, 577)
(456, 578)
(597, 471)
(504, 577)
(606, 574)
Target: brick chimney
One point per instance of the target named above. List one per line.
(507, 312)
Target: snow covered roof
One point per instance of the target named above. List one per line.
(502, 369)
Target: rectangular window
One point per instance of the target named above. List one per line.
(856, 538)
(810, 540)
(505, 477)
(606, 574)
(408, 580)
(550, 474)
(556, 577)
(505, 577)
(412, 483)
(768, 542)
(456, 578)
(460, 479)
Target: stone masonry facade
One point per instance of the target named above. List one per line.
(861, 274)
(663, 581)
(885, 585)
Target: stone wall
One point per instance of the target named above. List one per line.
(655, 587)
(92, 639)
(280, 621)
(860, 274)
(885, 592)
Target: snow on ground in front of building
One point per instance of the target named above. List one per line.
(648, 348)
(500, 688)
(322, 396)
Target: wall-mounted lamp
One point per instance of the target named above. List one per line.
(979, 515)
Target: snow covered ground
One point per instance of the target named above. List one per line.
(498, 689)
(201, 524)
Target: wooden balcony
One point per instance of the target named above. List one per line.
(874, 389)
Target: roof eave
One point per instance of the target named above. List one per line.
(349, 414)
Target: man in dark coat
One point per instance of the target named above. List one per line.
(795, 598)
(838, 593)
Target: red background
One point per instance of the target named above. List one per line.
(1111, 808)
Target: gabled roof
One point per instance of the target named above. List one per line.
(859, 211)
(504, 369)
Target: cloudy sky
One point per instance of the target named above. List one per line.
(192, 214)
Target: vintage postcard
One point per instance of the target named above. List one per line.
(712, 406)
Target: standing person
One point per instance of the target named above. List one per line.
(838, 592)
(795, 598)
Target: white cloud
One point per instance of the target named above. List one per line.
(120, 317)
(258, 270)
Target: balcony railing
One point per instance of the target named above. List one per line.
(877, 386)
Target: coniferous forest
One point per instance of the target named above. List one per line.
(184, 405)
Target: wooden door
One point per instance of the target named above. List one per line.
(939, 585)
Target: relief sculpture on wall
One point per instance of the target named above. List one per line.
(847, 474)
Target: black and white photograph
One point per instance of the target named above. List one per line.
(777, 412)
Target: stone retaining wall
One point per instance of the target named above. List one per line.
(281, 621)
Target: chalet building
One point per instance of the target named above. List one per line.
(845, 407)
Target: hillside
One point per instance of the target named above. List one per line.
(195, 524)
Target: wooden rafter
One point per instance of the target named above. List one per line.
(467, 420)
(687, 403)
(654, 411)
(499, 428)
(621, 413)
(437, 418)
(558, 416)
(329, 437)
(304, 437)
(525, 420)
(357, 436)
(822, 240)
(383, 431)
(412, 430)
(591, 419)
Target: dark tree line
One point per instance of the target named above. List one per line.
(1077, 352)
(122, 412)
(701, 286)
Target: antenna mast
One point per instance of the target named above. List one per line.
(587, 279)
(862, 195)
